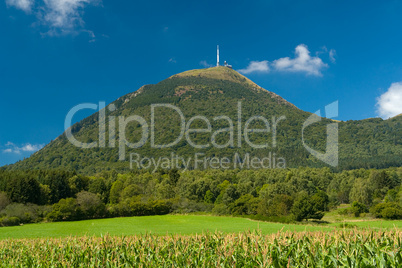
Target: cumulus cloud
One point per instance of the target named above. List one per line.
(303, 62)
(28, 147)
(64, 14)
(61, 16)
(389, 104)
(24, 5)
(256, 66)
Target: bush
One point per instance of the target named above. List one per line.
(184, 205)
(387, 210)
(25, 213)
(91, 205)
(358, 208)
(65, 210)
(10, 221)
(4, 201)
(392, 213)
(343, 211)
(220, 209)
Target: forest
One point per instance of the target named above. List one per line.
(281, 195)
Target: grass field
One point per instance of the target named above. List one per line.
(169, 224)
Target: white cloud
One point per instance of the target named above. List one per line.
(28, 147)
(256, 66)
(389, 104)
(206, 64)
(25, 5)
(65, 14)
(60, 16)
(303, 62)
(332, 54)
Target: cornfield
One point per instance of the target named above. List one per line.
(350, 248)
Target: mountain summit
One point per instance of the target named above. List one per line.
(228, 74)
(213, 113)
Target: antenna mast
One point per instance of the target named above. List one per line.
(217, 57)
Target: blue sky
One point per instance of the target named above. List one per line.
(55, 54)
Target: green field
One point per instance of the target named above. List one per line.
(168, 224)
(161, 225)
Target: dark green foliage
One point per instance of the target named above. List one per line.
(358, 208)
(310, 207)
(66, 210)
(387, 210)
(245, 205)
(272, 194)
(59, 186)
(4, 200)
(136, 207)
(98, 186)
(22, 189)
(91, 205)
(9, 221)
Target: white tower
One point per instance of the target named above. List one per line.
(217, 57)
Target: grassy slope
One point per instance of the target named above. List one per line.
(178, 224)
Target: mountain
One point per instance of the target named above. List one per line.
(216, 96)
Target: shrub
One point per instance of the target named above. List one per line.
(10, 221)
(392, 213)
(387, 210)
(65, 210)
(25, 213)
(4, 201)
(91, 205)
(358, 208)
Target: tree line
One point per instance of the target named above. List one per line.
(283, 195)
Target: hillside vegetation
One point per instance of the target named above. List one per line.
(370, 143)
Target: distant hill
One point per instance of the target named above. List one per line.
(211, 93)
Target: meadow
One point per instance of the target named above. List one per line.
(174, 224)
(159, 225)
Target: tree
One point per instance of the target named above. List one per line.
(91, 205)
(4, 201)
(115, 191)
(23, 189)
(361, 192)
(306, 207)
(280, 205)
(245, 205)
(78, 183)
(59, 187)
(358, 208)
(98, 186)
(130, 191)
(65, 210)
(209, 197)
